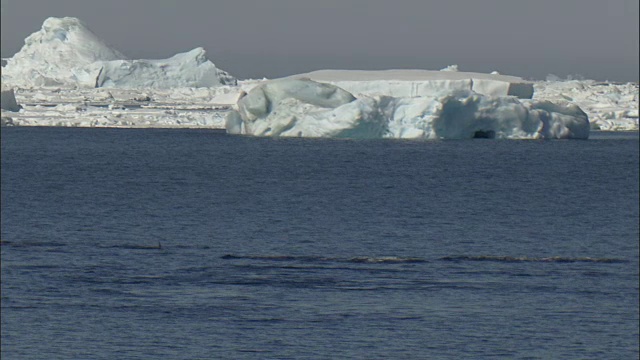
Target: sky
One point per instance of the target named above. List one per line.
(594, 39)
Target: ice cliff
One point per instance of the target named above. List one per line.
(305, 108)
(65, 53)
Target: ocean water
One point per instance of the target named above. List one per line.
(192, 244)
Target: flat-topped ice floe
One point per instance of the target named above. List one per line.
(414, 83)
(306, 108)
(65, 53)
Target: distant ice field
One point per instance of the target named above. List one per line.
(65, 75)
(611, 107)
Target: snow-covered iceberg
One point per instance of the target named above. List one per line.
(414, 83)
(50, 55)
(190, 69)
(65, 53)
(306, 108)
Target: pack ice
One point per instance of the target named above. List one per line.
(301, 107)
(65, 53)
(610, 106)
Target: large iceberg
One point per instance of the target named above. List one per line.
(414, 83)
(190, 69)
(50, 55)
(65, 53)
(306, 108)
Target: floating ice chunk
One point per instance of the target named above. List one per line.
(302, 107)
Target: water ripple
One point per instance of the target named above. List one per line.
(556, 259)
(358, 259)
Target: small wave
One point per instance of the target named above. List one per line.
(386, 259)
(359, 259)
(557, 259)
(31, 243)
(135, 247)
(274, 257)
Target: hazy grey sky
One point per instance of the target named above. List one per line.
(254, 38)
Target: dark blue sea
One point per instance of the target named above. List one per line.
(193, 244)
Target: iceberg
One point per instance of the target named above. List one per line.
(298, 107)
(65, 53)
(190, 69)
(49, 55)
(414, 83)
